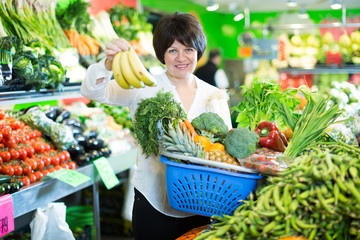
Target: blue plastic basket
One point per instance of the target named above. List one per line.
(204, 190)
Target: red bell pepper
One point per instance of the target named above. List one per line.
(271, 137)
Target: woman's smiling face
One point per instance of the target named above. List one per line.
(180, 60)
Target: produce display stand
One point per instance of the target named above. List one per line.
(40, 193)
(347, 69)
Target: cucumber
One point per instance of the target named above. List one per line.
(5, 179)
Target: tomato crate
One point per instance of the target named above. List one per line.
(206, 190)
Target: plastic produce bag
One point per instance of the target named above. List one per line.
(49, 223)
(61, 135)
(265, 161)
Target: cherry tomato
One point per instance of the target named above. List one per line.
(51, 169)
(72, 165)
(1, 161)
(40, 164)
(39, 175)
(10, 142)
(26, 168)
(30, 151)
(55, 160)
(62, 157)
(14, 154)
(32, 162)
(39, 147)
(15, 124)
(18, 170)
(2, 114)
(7, 170)
(64, 165)
(22, 154)
(57, 167)
(45, 172)
(32, 178)
(25, 180)
(6, 132)
(1, 137)
(67, 155)
(24, 139)
(5, 155)
(47, 160)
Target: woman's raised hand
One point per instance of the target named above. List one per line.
(113, 47)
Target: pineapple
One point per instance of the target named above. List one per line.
(181, 143)
(221, 156)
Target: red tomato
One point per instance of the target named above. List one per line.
(14, 154)
(2, 114)
(39, 147)
(30, 151)
(15, 124)
(40, 164)
(64, 165)
(67, 155)
(62, 157)
(26, 168)
(45, 172)
(6, 132)
(47, 147)
(32, 178)
(57, 167)
(39, 175)
(55, 160)
(10, 142)
(1, 161)
(51, 169)
(1, 137)
(32, 163)
(47, 160)
(18, 170)
(25, 180)
(22, 154)
(5, 155)
(72, 165)
(7, 170)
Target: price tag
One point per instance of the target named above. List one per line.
(106, 172)
(70, 177)
(6, 215)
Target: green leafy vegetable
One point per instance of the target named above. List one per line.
(260, 104)
(162, 107)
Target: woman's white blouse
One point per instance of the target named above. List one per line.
(149, 177)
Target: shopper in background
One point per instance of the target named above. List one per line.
(211, 73)
(179, 42)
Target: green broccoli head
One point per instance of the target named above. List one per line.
(210, 125)
(241, 142)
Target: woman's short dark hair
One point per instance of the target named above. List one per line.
(182, 27)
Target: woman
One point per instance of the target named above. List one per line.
(179, 42)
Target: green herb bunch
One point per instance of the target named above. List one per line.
(162, 107)
(260, 104)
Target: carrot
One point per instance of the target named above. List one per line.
(190, 127)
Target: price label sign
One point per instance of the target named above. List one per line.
(106, 172)
(6, 215)
(70, 177)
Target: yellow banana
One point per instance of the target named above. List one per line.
(127, 71)
(118, 76)
(139, 69)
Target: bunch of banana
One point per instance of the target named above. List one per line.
(129, 72)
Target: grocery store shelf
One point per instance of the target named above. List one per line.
(39, 194)
(322, 70)
(17, 97)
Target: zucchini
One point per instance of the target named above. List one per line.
(5, 179)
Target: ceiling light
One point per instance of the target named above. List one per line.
(303, 14)
(212, 6)
(238, 17)
(336, 4)
(291, 3)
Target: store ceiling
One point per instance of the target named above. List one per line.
(276, 5)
